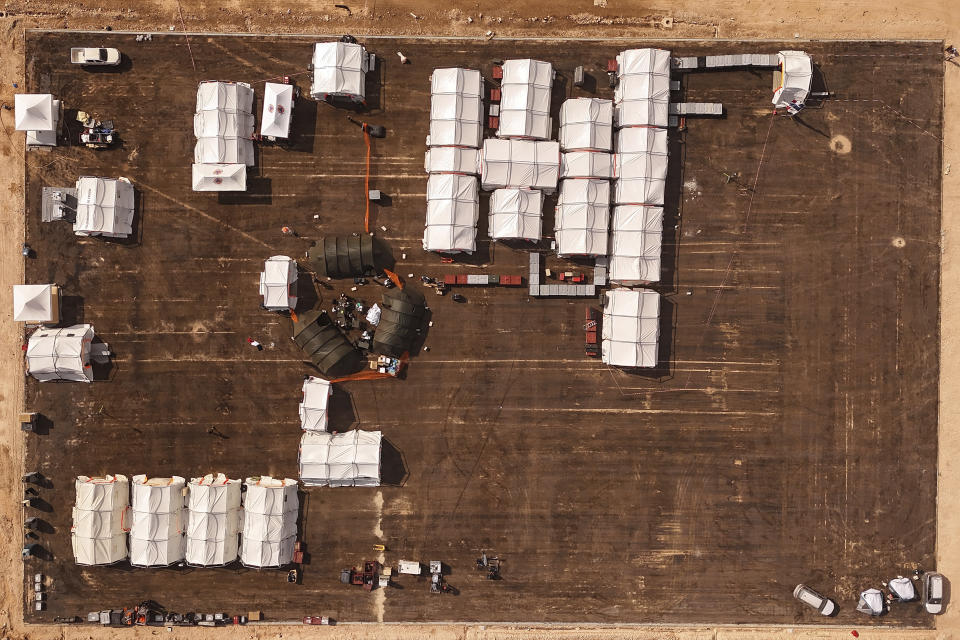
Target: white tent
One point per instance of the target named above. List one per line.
(61, 354)
(631, 327)
(586, 164)
(456, 108)
(38, 114)
(223, 124)
(277, 110)
(270, 508)
(516, 213)
(219, 177)
(871, 602)
(339, 69)
(313, 406)
(99, 533)
(586, 124)
(221, 150)
(525, 99)
(157, 526)
(796, 76)
(213, 520)
(582, 218)
(902, 588)
(641, 166)
(278, 283)
(452, 160)
(104, 207)
(350, 459)
(635, 244)
(229, 97)
(36, 303)
(520, 163)
(642, 95)
(453, 209)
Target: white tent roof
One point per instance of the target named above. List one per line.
(213, 520)
(269, 522)
(452, 160)
(586, 164)
(465, 82)
(340, 460)
(902, 588)
(219, 177)
(516, 213)
(586, 124)
(870, 602)
(220, 150)
(642, 95)
(796, 76)
(278, 283)
(33, 303)
(525, 99)
(453, 210)
(224, 124)
(635, 244)
(520, 163)
(104, 207)
(339, 68)
(313, 406)
(455, 119)
(582, 217)
(277, 110)
(98, 534)
(61, 354)
(631, 327)
(34, 112)
(231, 97)
(641, 166)
(156, 531)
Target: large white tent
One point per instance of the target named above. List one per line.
(104, 207)
(313, 406)
(36, 303)
(516, 213)
(641, 166)
(534, 164)
(157, 526)
(38, 114)
(586, 124)
(582, 218)
(339, 69)
(642, 95)
(525, 99)
(350, 459)
(631, 327)
(61, 354)
(796, 76)
(586, 164)
(456, 108)
(99, 533)
(224, 123)
(213, 520)
(277, 110)
(452, 160)
(278, 283)
(635, 244)
(453, 209)
(219, 177)
(270, 508)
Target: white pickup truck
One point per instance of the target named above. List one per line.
(94, 55)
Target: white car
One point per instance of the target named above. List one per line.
(933, 592)
(809, 597)
(95, 56)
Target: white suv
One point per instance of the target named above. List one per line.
(809, 597)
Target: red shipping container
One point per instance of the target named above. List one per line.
(461, 280)
(449, 279)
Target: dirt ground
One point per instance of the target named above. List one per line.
(752, 19)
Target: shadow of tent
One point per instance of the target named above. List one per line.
(393, 468)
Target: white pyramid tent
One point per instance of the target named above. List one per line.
(339, 69)
(534, 164)
(586, 124)
(278, 283)
(453, 210)
(582, 218)
(631, 327)
(99, 531)
(642, 96)
(157, 527)
(516, 213)
(313, 407)
(219, 177)
(796, 76)
(34, 112)
(61, 354)
(104, 207)
(270, 509)
(213, 520)
(350, 459)
(277, 110)
(635, 244)
(36, 303)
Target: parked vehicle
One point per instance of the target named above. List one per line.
(95, 56)
(933, 592)
(809, 597)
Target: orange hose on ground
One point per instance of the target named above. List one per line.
(396, 279)
(366, 183)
